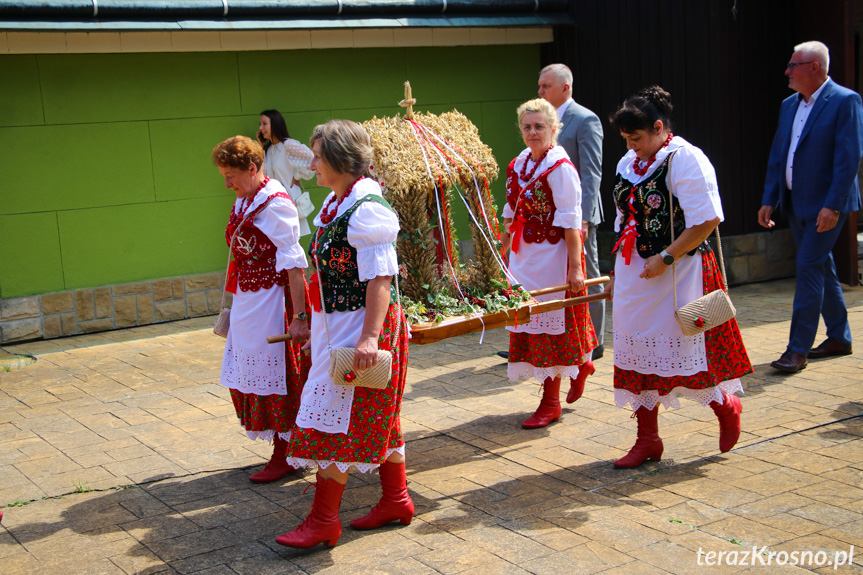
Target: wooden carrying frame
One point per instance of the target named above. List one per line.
(460, 325)
(431, 332)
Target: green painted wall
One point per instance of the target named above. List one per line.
(105, 175)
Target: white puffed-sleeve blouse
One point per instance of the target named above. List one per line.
(288, 161)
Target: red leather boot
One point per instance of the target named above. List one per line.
(648, 445)
(322, 525)
(576, 386)
(728, 413)
(549, 407)
(395, 503)
(277, 467)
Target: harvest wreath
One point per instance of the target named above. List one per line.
(425, 164)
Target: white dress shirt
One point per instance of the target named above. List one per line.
(562, 109)
(803, 110)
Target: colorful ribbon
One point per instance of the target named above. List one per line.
(233, 277)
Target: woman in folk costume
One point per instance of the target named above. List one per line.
(542, 217)
(654, 363)
(267, 279)
(338, 426)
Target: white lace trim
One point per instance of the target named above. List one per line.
(650, 398)
(663, 356)
(267, 435)
(523, 370)
(325, 406)
(293, 257)
(696, 218)
(551, 322)
(299, 462)
(377, 260)
(571, 220)
(253, 373)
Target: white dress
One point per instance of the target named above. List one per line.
(288, 161)
(250, 364)
(324, 406)
(539, 265)
(647, 338)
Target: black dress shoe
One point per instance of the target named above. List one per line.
(790, 362)
(598, 352)
(829, 348)
(503, 354)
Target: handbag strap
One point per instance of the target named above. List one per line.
(323, 306)
(231, 253)
(716, 229)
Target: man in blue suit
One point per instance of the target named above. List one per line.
(812, 178)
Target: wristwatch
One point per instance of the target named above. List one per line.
(302, 316)
(667, 258)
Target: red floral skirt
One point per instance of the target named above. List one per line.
(568, 348)
(375, 425)
(262, 413)
(726, 356)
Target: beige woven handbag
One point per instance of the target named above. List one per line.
(342, 358)
(223, 322)
(707, 311)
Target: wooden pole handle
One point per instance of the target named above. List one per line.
(564, 287)
(279, 338)
(547, 306)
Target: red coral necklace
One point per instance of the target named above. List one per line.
(246, 202)
(328, 214)
(523, 173)
(641, 171)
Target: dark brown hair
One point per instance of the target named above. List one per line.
(641, 111)
(278, 128)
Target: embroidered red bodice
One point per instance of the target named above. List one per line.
(254, 253)
(535, 210)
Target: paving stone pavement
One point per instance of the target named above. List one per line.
(120, 453)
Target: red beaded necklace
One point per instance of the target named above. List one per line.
(327, 214)
(641, 171)
(251, 198)
(523, 173)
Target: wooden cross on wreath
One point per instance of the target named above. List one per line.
(408, 102)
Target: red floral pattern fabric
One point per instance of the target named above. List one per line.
(726, 355)
(568, 348)
(375, 425)
(277, 412)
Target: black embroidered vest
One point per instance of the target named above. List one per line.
(337, 263)
(651, 212)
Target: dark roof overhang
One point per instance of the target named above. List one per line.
(154, 15)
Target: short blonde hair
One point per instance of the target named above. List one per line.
(543, 107)
(817, 51)
(345, 146)
(238, 152)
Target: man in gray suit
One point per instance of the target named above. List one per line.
(580, 135)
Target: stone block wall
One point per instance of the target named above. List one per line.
(749, 258)
(105, 308)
